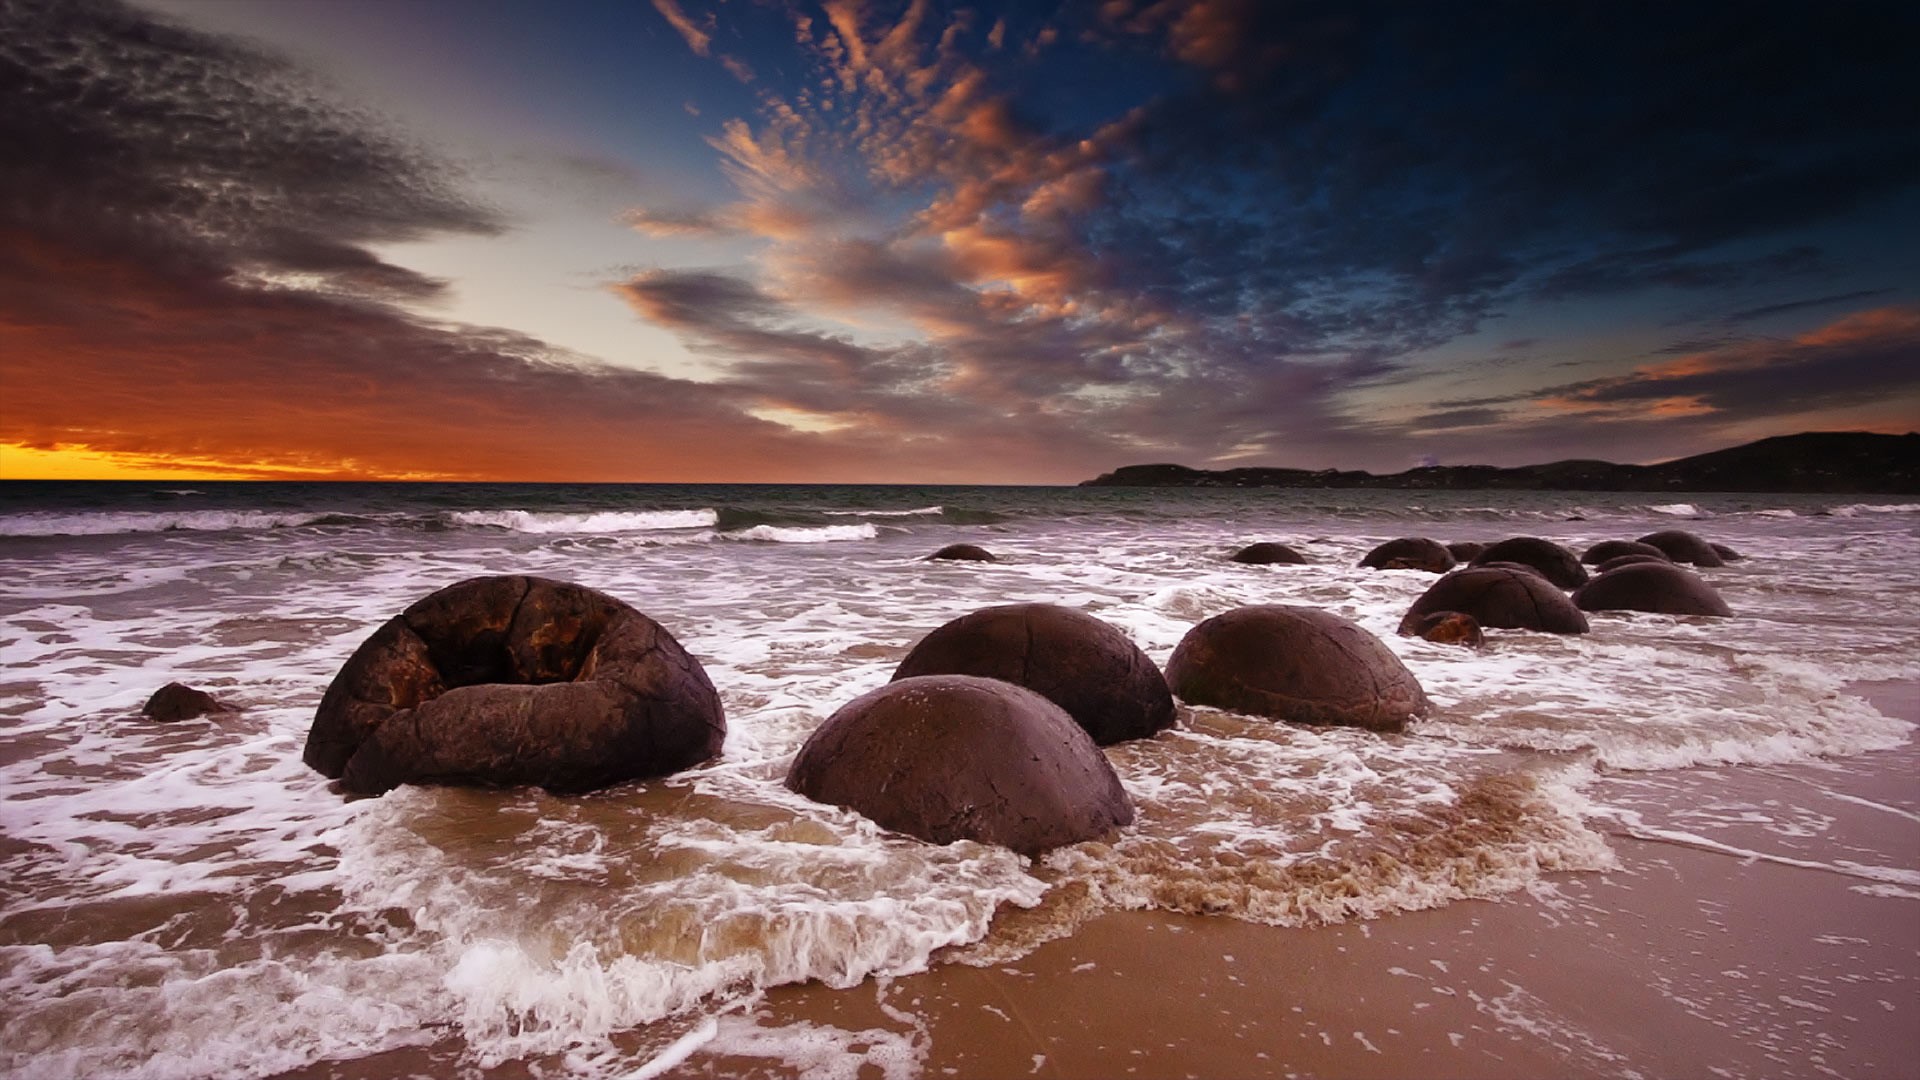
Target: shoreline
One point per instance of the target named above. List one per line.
(1684, 961)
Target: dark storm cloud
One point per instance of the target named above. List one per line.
(129, 137)
(1436, 161)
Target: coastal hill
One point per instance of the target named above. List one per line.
(1815, 461)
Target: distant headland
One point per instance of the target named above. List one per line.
(1814, 461)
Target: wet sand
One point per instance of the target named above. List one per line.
(1686, 961)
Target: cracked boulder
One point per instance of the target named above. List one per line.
(502, 681)
(958, 757)
(1500, 597)
(1659, 587)
(1554, 562)
(1296, 664)
(1072, 659)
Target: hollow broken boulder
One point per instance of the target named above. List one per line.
(509, 680)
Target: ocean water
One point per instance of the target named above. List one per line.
(190, 900)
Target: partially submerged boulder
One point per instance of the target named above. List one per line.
(1556, 563)
(1726, 553)
(178, 701)
(1613, 549)
(1659, 587)
(958, 757)
(1619, 561)
(1267, 553)
(1296, 664)
(963, 553)
(1072, 659)
(513, 680)
(1501, 598)
(1684, 547)
(1446, 628)
(1410, 553)
(1465, 550)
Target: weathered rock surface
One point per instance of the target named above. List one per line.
(1613, 549)
(1446, 628)
(1556, 563)
(1465, 550)
(1296, 664)
(959, 757)
(1410, 553)
(515, 680)
(963, 553)
(1501, 598)
(178, 701)
(1267, 553)
(1684, 547)
(1084, 665)
(1651, 586)
(1619, 561)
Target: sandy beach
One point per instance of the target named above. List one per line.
(1686, 961)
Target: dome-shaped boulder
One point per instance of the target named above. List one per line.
(513, 680)
(1726, 553)
(1684, 547)
(1268, 553)
(178, 701)
(1446, 628)
(1296, 664)
(1629, 559)
(963, 553)
(1410, 553)
(1659, 587)
(1613, 549)
(1072, 659)
(1500, 598)
(1465, 550)
(1554, 562)
(958, 757)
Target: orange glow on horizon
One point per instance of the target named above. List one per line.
(67, 462)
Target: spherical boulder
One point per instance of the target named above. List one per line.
(509, 680)
(1554, 562)
(1296, 664)
(1659, 587)
(1445, 628)
(1072, 659)
(1684, 547)
(178, 701)
(1465, 550)
(1726, 553)
(1267, 554)
(1629, 559)
(1613, 549)
(1501, 598)
(959, 757)
(963, 553)
(1410, 553)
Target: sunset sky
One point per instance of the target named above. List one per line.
(762, 240)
